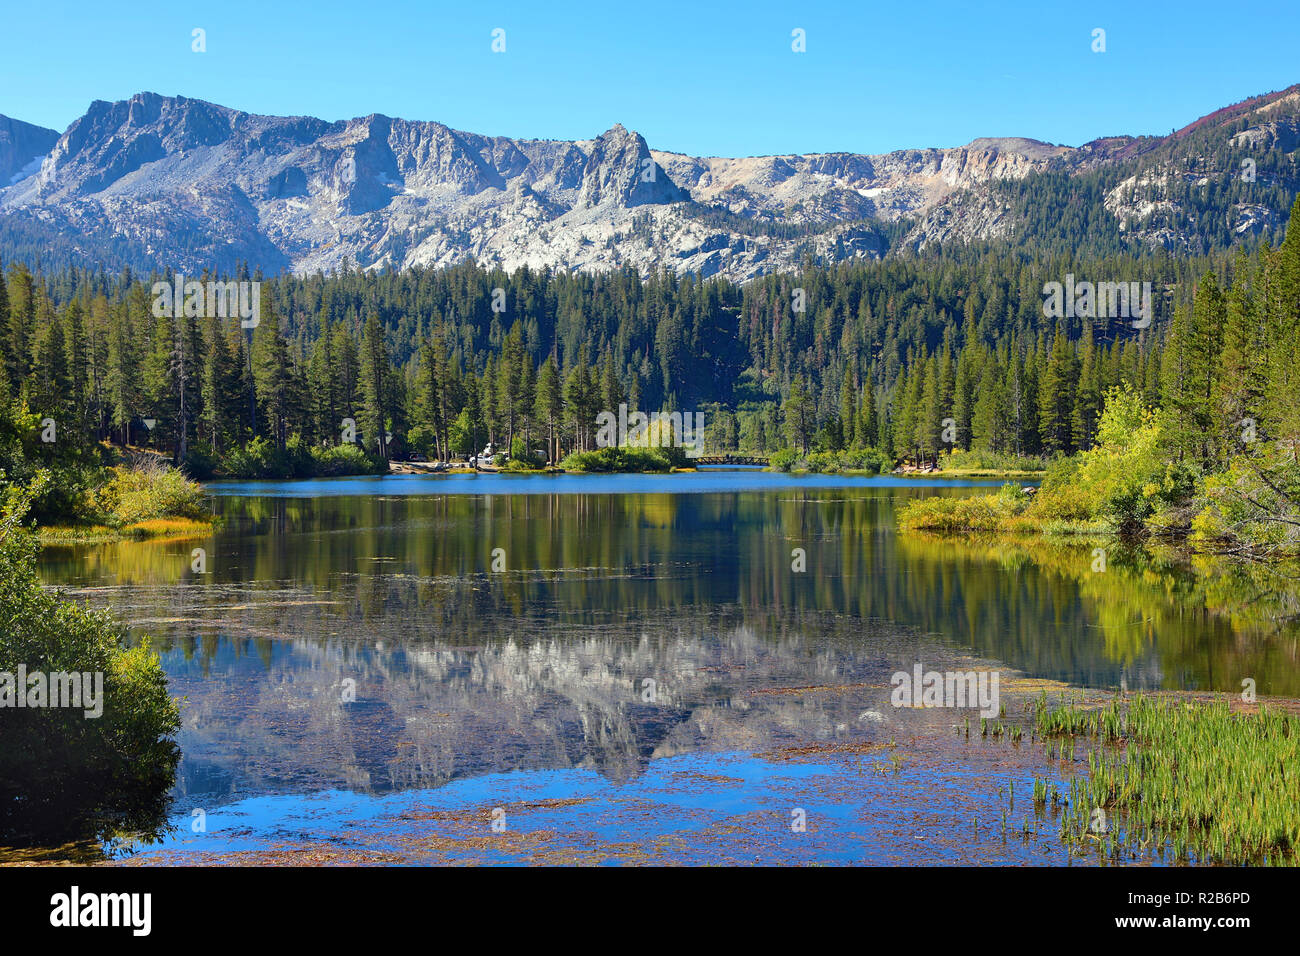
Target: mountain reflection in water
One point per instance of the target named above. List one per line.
(626, 628)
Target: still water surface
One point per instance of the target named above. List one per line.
(660, 667)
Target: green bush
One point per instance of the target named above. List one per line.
(1061, 498)
(75, 468)
(965, 513)
(1117, 485)
(1253, 506)
(462, 434)
(146, 488)
(869, 459)
(201, 463)
(64, 775)
(823, 462)
(831, 462)
(616, 459)
(784, 459)
(261, 459)
(423, 441)
(1125, 478)
(345, 459)
(522, 458)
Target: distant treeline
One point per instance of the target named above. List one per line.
(907, 355)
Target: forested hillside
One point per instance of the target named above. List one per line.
(434, 362)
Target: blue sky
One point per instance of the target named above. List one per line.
(706, 78)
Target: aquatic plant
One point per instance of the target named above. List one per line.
(1199, 780)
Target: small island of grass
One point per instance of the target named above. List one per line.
(142, 498)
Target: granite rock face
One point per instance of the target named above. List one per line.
(190, 185)
(22, 149)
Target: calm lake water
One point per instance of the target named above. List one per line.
(628, 668)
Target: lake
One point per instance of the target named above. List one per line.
(628, 668)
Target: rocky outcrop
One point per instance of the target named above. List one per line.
(22, 148)
(194, 185)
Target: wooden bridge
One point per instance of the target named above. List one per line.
(729, 460)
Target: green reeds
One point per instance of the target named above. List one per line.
(1192, 782)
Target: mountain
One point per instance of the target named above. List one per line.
(177, 183)
(22, 149)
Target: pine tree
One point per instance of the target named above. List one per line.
(550, 406)
(906, 397)
(968, 373)
(798, 412)
(1282, 305)
(1088, 396)
(160, 388)
(51, 382)
(22, 324)
(122, 374)
(509, 381)
(215, 417)
(991, 423)
(1243, 366)
(868, 430)
(7, 361)
(581, 397)
(848, 410)
(375, 385)
(1056, 396)
(78, 370)
(273, 378)
(929, 417)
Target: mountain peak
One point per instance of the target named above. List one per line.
(620, 170)
(187, 184)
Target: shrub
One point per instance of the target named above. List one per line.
(964, 513)
(147, 488)
(1060, 497)
(1253, 506)
(823, 462)
(423, 441)
(462, 433)
(784, 459)
(75, 468)
(869, 459)
(201, 463)
(831, 462)
(616, 459)
(522, 459)
(1125, 477)
(62, 775)
(261, 458)
(346, 459)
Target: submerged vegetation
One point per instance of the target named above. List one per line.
(1191, 782)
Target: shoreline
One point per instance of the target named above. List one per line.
(153, 529)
